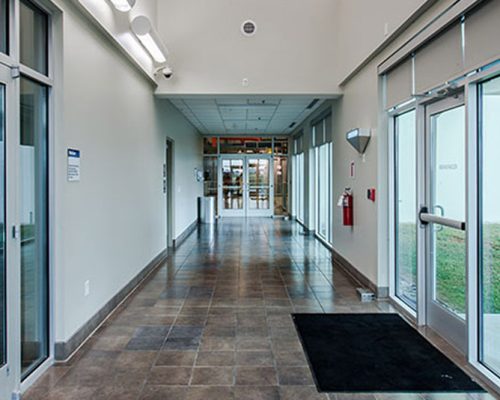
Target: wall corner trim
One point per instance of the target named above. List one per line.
(63, 351)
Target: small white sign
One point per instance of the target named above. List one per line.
(73, 165)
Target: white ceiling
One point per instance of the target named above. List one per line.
(246, 114)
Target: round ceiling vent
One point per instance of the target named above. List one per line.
(248, 28)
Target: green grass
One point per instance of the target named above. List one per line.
(450, 265)
(27, 231)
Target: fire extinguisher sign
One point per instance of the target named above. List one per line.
(352, 170)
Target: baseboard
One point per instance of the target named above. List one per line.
(306, 231)
(64, 350)
(357, 277)
(185, 234)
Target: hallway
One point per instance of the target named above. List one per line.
(214, 323)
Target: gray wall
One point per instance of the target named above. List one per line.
(113, 223)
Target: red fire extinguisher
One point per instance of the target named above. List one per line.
(347, 207)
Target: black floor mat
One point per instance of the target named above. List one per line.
(375, 353)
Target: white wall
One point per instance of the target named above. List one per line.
(293, 50)
(111, 224)
(188, 156)
(117, 25)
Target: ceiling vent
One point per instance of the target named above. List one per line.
(248, 28)
(312, 104)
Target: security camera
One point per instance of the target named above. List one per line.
(166, 71)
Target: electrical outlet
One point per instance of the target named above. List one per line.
(86, 288)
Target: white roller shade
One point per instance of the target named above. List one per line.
(319, 133)
(298, 145)
(399, 83)
(440, 60)
(328, 129)
(482, 35)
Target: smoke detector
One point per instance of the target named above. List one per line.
(248, 28)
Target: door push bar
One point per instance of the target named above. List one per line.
(427, 218)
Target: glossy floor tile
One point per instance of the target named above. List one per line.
(215, 322)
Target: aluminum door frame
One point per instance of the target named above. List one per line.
(438, 317)
(259, 212)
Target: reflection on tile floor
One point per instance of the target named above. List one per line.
(214, 323)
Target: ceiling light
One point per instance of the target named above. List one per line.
(123, 5)
(142, 28)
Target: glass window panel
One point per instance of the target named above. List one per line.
(210, 145)
(490, 226)
(406, 208)
(210, 179)
(258, 172)
(246, 145)
(210, 176)
(281, 146)
(448, 199)
(34, 37)
(330, 193)
(258, 198)
(232, 184)
(34, 225)
(323, 189)
(4, 26)
(280, 185)
(3, 270)
(300, 187)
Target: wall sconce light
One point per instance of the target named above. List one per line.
(123, 5)
(142, 28)
(359, 139)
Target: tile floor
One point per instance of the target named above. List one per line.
(214, 323)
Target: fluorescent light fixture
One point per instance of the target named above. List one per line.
(123, 5)
(142, 28)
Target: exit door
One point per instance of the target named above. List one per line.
(246, 186)
(443, 219)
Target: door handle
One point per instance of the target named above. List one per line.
(426, 218)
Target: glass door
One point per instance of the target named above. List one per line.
(232, 202)
(8, 254)
(444, 219)
(489, 225)
(246, 186)
(259, 187)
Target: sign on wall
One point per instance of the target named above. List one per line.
(73, 165)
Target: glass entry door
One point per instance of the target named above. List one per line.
(443, 217)
(259, 187)
(245, 188)
(231, 188)
(8, 354)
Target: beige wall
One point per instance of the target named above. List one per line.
(357, 109)
(366, 245)
(362, 25)
(293, 50)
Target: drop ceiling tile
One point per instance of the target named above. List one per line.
(232, 125)
(262, 113)
(261, 125)
(266, 100)
(233, 113)
(245, 114)
(221, 101)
